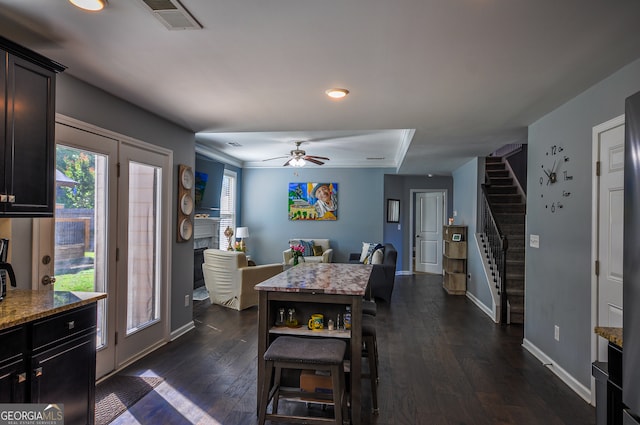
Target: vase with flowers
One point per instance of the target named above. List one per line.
(297, 251)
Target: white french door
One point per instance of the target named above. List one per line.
(142, 275)
(111, 235)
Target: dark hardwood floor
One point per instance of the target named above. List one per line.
(443, 362)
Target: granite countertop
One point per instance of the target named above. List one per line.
(22, 306)
(322, 278)
(613, 335)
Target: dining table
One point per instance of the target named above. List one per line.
(311, 288)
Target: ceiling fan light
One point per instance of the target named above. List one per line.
(337, 93)
(92, 5)
(298, 162)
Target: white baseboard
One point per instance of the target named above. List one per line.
(181, 331)
(486, 310)
(577, 387)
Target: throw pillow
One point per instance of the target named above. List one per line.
(370, 251)
(378, 256)
(317, 250)
(308, 247)
(365, 251)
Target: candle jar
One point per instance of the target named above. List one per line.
(292, 322)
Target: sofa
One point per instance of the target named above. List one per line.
(230, 280)
(383, 275)
(325, 257)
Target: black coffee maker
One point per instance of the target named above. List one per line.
(5, 268)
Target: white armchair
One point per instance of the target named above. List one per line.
(230, 280)
(324, 257)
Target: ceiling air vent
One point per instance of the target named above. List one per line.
(172, 14)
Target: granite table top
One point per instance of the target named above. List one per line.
(611, 334)
(321, 278)
(22, 306)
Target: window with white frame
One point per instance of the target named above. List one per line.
(228, 207)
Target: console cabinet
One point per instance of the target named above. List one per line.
(454, 259)
(52, 360)
(27, 122)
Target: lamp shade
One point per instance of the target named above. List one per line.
(242, 232)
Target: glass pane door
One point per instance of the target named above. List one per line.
(143, 239)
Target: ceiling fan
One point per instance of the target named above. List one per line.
(298, 157)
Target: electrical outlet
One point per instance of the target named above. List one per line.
(186, 300)
(556, 332)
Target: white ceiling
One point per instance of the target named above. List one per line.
(433, 83)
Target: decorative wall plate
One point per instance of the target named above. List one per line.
(186, 229)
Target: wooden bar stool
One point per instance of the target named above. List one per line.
(288, 352)
(371, 353)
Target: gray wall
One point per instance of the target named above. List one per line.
(400, 187)
(264, 203)
(87, 103)
(466, 195)
(558, 277)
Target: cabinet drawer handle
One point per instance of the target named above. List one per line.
(37, 372)
(71, 324)
(22, 377)
(12, 199)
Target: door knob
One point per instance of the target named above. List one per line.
(48, 280)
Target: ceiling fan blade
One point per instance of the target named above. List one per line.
(306, 158)
(317, 157)
(277, 157)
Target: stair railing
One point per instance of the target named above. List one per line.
(495, 249)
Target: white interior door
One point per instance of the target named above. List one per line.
(610, 229)
(428, 237)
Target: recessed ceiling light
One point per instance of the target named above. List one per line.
(92, 5)
(337, 93)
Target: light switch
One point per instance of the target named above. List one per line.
(534, 241)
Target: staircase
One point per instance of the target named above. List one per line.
(508, 206)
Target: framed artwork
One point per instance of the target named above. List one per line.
(313, 201)
(456, 237)
(393, 211)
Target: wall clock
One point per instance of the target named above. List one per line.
(185, 203)
(555, 175)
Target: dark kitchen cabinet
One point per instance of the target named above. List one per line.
(63, 363)
(27, 140)
(59, 361)
(13, 366)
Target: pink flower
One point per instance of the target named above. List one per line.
(299, 249)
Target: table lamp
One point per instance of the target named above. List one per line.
(242, 232)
